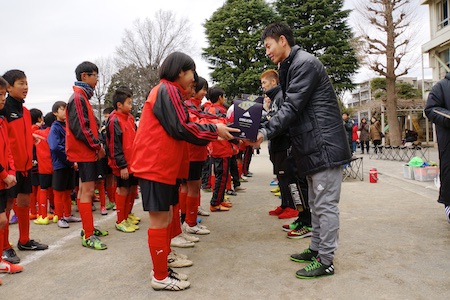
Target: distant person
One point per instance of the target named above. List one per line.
(163, 129)
(313, 119)
(84, 147)
(364, 135)
(348, 125)
(437, 110)
(376, 134)
(355, 137)
(8, 176)
(21, 142)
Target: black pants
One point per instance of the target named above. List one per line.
(362, 146)
(206, 173)
(221, 170)
(234, 171)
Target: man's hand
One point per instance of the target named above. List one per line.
(124, 174)
(10, 181)
(101, 153)
(259, 140)
(224, 131)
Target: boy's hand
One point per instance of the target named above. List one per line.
(259, 140)
(10, 181)
(224, 131)
(101, 153)
(124, 174)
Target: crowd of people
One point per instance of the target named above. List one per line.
(180, 147)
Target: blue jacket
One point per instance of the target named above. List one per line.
(57, 142)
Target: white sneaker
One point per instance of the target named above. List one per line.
(63, 223)
(189, 237)
(179, 276)
(72, 219)
(180, 242)
(195, 229)
(202, 212)
(178, 262)
(174, 253)
(170, 283)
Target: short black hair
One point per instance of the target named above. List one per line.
(12, 75)
(201, 83)
(57, 105)
(3, 83)
(85, 67)
(277, 29)
(214, 93)
(49, 118)
(120, 95)
(174, 64)
(108, 110)
(35, 115)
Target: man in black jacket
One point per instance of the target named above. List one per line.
(311, 115)
(437, 110)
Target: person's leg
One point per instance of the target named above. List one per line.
(325, 187)
(234, 171)
(85, 207)
(157, 242)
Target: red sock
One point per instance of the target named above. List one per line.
(111, 193)
(2, 237)
(42, 200)
(175, 224)
(33, 200)
(67, 204)
(169, 236)
(101, 193)
(191, 210)
(120, 207)
(59, 204)
(50, 197)
(157, 244)
(182, 202)
(24, 223)
(87, 219)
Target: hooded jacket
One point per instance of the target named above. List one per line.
(311, 115)
(57, 142)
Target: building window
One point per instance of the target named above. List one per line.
(443, 11)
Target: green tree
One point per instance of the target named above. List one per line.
(235, 50)
(320, 27)
(403, 90)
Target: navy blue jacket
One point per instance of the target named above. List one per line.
(57, 141)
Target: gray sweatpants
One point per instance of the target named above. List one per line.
(324, 191)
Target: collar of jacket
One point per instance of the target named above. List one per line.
(284, 67)
(273, 92)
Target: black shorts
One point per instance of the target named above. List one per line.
(45, 181)
(195, 170)
(158, 196)
(63, 179)
(127, 183)
(88, 171)
(102, 166)
(35, 179)
(23, 185)
(3, 200)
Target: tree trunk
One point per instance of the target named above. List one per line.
(391, 111)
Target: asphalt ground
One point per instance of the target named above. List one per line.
(394, 244)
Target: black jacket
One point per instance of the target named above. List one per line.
(280, 142)
(311, 114)
(439, 102)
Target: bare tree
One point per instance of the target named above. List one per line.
(388, 41)
(148, 43)
(105, 73)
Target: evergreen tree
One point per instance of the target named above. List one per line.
(320, 28)
(235, 49)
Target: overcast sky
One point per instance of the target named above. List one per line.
(47, 39)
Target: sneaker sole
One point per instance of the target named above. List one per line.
(312, 277)
(300, 260)
(300, 236)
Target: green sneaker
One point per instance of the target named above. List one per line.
(93, 242)
(97, 232)
(110, 205)
(306, 256)
(315, 269)
(297, 224)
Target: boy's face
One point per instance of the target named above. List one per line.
(201, 94)
(2, 97)
(267, 83)
(186, 79)
(126, 106)
(19, 89)
(60, 114)
(90, 78)
(277, 51)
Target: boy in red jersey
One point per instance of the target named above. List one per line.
(21, 142)
(8, 176)
(156, 159)
(120, 133)
(84, 148)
